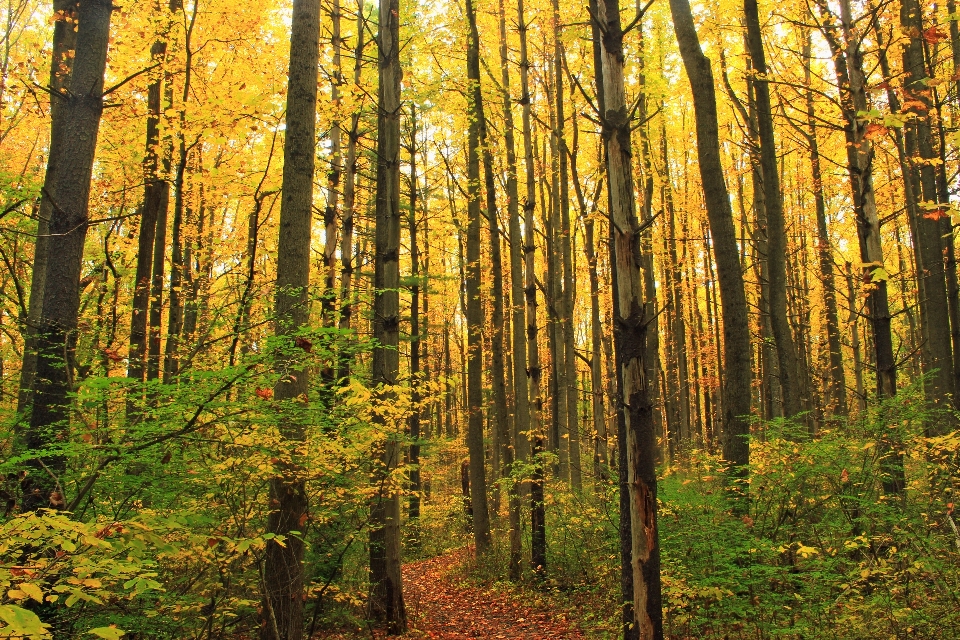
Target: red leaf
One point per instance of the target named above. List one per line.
(212, 542)
(303, 520)
(112, 355)
(936, 214)
(933, 35)
(874, 131)
(266, 394)
(304, 344)
(844, 476)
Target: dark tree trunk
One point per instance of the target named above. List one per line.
(790, 384)
(386, 593)
(68, 191)
(283, 571)
(736, 335)
(61, 63)
(478, 481)
(413, 423)
(638, 442)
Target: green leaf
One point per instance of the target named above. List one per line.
(109, 633)
(22, 622)
(32, 590)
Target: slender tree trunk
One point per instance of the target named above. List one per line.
(521, 394)
(933, 223)
(415, 379)
(333, 182)
(837, 385)
(639, 446)
(349, 202)
(848, 65)
(283, 571)
(478, 481)
(386, 594)
(538, 530)
(736, 335)
(790, 385)
(68, 190)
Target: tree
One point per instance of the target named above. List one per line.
(68, 189)
(283, 572)
(386, 591)
(630, 337)
(736, 336)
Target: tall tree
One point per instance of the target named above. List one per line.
(631, 319)
(68, 190)
(736, 335)
(61, 63)
(283, 571)
(478, 481)
(386, 593)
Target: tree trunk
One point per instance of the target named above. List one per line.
(61, 64)
(413, 421)
(639, 446)
(478, 481)
(386, 594)
(848, 65)
(68, 190)
(736, 357)
(521, 418)
(283, 572)
(790, 385)
(837, 386)
(932, 223)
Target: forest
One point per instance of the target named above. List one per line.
(479, 319)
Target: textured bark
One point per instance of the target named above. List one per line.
(736, 336)
(478, 480)
(349, 203)
(837, 385)
(386, 593)
(521, 394)
(61, 64)
(333, 182)
(565, 251)
(848, 65)
(790, 384)
(932, 223)
(68, 191)
(413, 422)
(283, 571)
(638, 448)
(538, 531)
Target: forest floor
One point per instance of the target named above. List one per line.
(441, 603)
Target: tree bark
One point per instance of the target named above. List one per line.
(790, 384)
(283, 572)
(386, 594)
(639, 447)
(68, 191)
(478, 480)
(736, 336)
(61, 64)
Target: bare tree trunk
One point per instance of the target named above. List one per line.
(333, 182)
(790, 385)
(837, 386)
(538, 531)
(478, 481)
(413, 421)
(736, 358)
(61, 64)
(639, 447)
(848, 65)
(386, 593)
(68, 191)
(521, 419)
(283, 572)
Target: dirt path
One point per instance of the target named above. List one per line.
(441, 606)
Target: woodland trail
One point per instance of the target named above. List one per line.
(441, 605)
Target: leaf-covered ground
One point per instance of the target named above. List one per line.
(442, 604)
